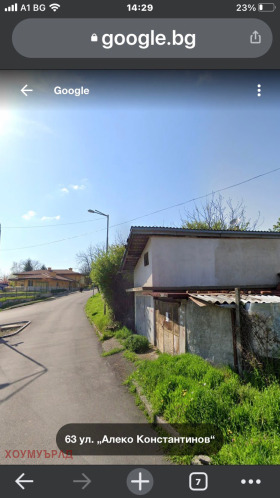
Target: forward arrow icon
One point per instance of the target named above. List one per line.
(86, 481)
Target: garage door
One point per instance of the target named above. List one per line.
(167, 326)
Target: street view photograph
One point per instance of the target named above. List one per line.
(140, 270)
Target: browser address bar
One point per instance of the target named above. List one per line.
(142, 38)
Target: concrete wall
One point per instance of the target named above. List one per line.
(194, 261)
(182, 327)
(144, 316)
(204, 331)
(143, 274)
(272, 312)
(209, 333)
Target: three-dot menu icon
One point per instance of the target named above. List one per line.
(250, 481)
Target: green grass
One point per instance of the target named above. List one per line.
(17, 298)
(123, 333)
(130, 356)
(22, 303)
(95, 312)
(186, 389)
(112, 351)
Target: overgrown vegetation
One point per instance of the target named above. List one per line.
(105, 323)
(112, 351)
(260, 348)
(123, 333)
(137, 344)
(94, 310)
(106, 275)
(131, 343)
(186, 389)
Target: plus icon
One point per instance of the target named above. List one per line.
(140, 481)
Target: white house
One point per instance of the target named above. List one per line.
(184, 284)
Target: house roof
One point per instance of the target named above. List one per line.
(229, 298)
(67, 272)
(46, 275)
(139, 236)
(220, 298)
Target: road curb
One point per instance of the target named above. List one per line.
(26, 323)
(156, 419)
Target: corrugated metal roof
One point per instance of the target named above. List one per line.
(229, 298)
(204, 230)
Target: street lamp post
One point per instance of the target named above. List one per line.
(95, 211)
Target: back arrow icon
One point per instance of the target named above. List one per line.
(86, 481)
(19, 481)
(25, 89)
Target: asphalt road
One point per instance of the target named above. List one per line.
(51, 374)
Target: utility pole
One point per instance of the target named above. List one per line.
(238, 329)
(95, 211)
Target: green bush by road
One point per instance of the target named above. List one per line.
(187, 389)
(137, 343)
(95, 312)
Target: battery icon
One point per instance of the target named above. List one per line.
(266, 7)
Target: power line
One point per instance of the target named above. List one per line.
(198, 198)
(151, 213)
(49, 243)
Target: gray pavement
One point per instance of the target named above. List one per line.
(52, 374)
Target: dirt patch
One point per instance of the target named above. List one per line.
(121, 365)
(152, 354)
(111, 344)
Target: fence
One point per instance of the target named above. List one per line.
(8, 298)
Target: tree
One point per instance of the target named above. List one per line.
(26, 265)
(219, 214)
(106, 274)
(4, 277)
(16, 267)
(276, 227)
(85, 258)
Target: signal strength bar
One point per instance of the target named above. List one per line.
(12, 8)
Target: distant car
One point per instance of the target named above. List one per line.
(3, 285)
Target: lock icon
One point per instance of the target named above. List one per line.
(94, 37)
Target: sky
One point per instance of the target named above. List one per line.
(141, 142)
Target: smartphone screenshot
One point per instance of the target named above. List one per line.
(139, 249)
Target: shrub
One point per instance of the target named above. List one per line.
(105, 273)
(123, 333)
(137, 343)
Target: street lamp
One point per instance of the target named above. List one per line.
(95, 211)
